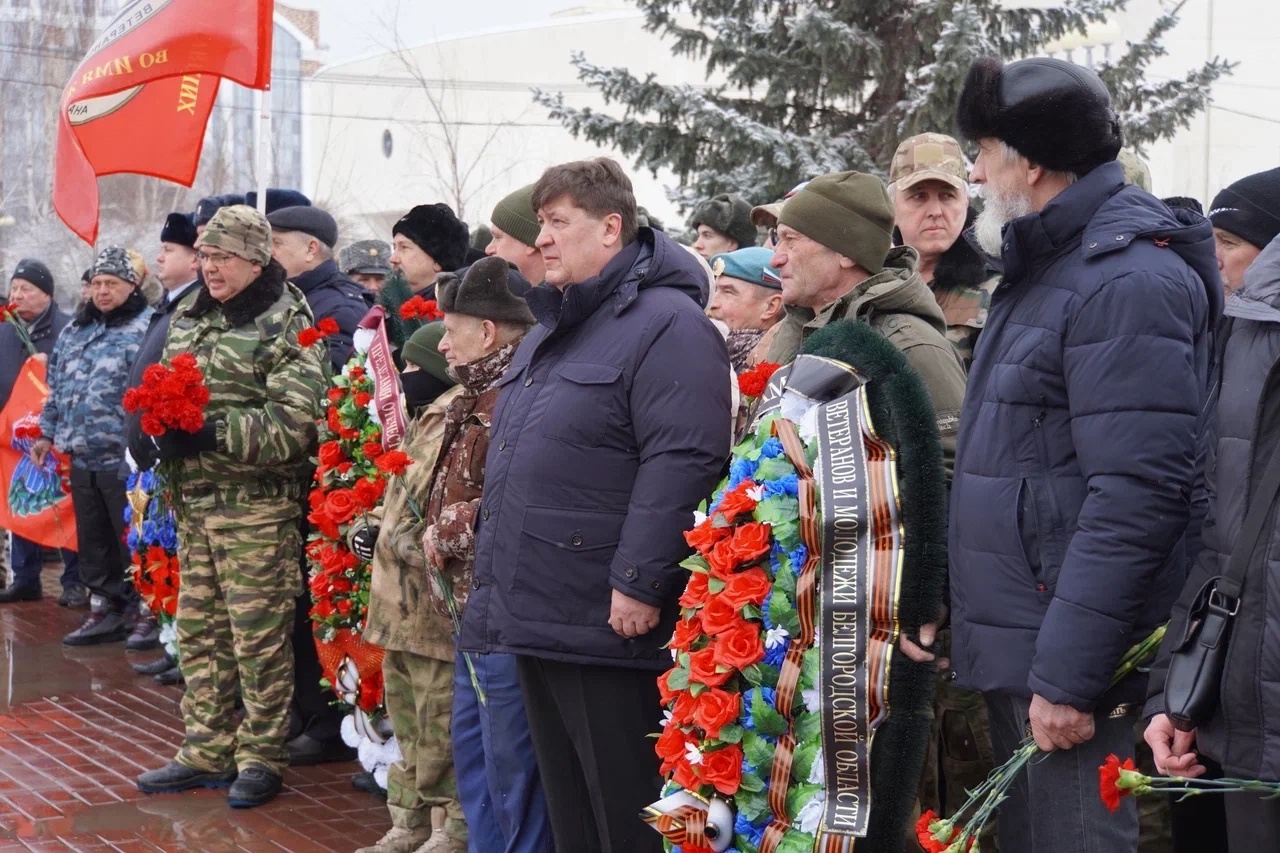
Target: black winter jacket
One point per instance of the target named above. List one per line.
(44, 331)
(331, 294)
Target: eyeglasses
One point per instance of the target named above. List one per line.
(215, 260)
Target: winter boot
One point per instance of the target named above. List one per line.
(155, 667)
(21, 592)
(400, 840)
(145, 635)
(255, 786)
(175, 777)
(106, 624)
(74, 596)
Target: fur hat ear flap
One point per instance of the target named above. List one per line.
(978, 110)
(447, 290)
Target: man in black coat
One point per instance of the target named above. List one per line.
(31, 290)
(302, 240)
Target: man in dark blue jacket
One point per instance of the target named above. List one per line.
(1077, 445)
(31, 290)
(613, 423)
(302, 240)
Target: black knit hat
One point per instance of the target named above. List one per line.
(179, 228)
(278, 199)
(728, 214)
(208, 206)
(438, 232)
(483, 292)
(1056, 114)
(29, 269)
(1250, 208)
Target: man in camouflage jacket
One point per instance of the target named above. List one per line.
(428, 697)
(237, 484)
(84, 419)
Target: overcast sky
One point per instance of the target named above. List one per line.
(352, 28)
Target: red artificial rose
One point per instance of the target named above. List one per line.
(686, 634)
(340, 505)
(695, 594)
(337, 395)
(371, 450)
(737, 502)
(750, 587)
(703, 537)
(356, 374)
(671, 744)
(685, 776)
(714, 709)
(753, 382)
(718, 616)
(393, 463)
(316, 498)
(321, 521)
(344, 467)
(750, 542)
(702, 667)
(327, 326)
(739, 647)
(331, 455)
(331, 561)
(344, 607)
(683, 709)
(722, 560)
(665, 693)
(363, 398)
(723, 769)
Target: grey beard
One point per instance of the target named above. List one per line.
(998, 212)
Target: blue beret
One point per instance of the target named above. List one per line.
(750, 264)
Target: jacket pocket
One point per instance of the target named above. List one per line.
(562, 570)
(583, 404)
(1033, 528)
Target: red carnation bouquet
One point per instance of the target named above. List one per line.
(417, 308)
(172, 397)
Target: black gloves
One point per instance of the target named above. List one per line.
(175, 444)
(363, 540)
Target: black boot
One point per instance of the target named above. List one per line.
(145, 635)
(172, 675)
(21, 592)
(255, 786)
(156, 666)
(102, 626)
(174, 777)
(304, 751)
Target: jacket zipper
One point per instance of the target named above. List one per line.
(1042, 446)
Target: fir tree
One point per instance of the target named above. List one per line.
(804, 87)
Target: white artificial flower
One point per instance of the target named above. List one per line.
(698, 517)
(811, 813)
(369, 752)
(169, 638)
(777, 636)
(380, 776)
(756, 493)
(692, 754)
(362, 339)
(348, 731)
(373, 411)
(667, 717)
(818, 772)
(812, 700)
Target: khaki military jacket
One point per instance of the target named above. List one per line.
(899, 305)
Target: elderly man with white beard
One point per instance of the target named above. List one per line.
(1077, 443)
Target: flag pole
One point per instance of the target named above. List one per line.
(264, 147)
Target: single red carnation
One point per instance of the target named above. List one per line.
(393, 463)
(327, 326)
(753, 382)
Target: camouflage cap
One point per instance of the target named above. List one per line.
(241, 231)
(366, 257)
(114, 260)
(929, 157)
(766, 215)
(1135, 169)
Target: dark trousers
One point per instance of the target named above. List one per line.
(1200, 823)
(315, 712)
(99, 498)
(28, 559)
(1253, 824)
(590, 728)
(1054, 806)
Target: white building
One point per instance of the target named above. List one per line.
(453, 120)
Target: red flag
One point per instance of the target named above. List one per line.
(140, 99)
(35, 505)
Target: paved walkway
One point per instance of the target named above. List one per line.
(76, 727)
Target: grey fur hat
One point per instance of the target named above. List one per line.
(728, 214)
(483, 292)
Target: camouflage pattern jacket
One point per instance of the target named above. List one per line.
(897, 304)
(963, 282)
(265, 392)
(88, 373)
(401, 617)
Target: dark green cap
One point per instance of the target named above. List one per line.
(848, 212)
(514, 215)
(422, 349)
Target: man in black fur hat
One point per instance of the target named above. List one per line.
(1078, 439)
(429, 240)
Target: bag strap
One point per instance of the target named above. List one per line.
(1255, 519)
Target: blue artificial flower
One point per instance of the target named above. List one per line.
(752, 832)
(132, 481)
(133, 539)
(149, 482)
(788, 486)
(128, 513)
(774, 657)
(741, 469)
(149, 532)
(169, 539)
(771, 448)
(799, 557)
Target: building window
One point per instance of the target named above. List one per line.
(386, 144)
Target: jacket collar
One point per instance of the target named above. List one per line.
(1032, 241)
(247, 305)
(561, 310)
(134, 305)
(311, 279)
(1259, 298)
(42, 324)
(963, 266)
(481, 375)
(897, 288)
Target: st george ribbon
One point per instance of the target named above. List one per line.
(860, 577)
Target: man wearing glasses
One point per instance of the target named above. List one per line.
(84, 419)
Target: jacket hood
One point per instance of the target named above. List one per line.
(898, 289)
(652, 260)
(1259, 297)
